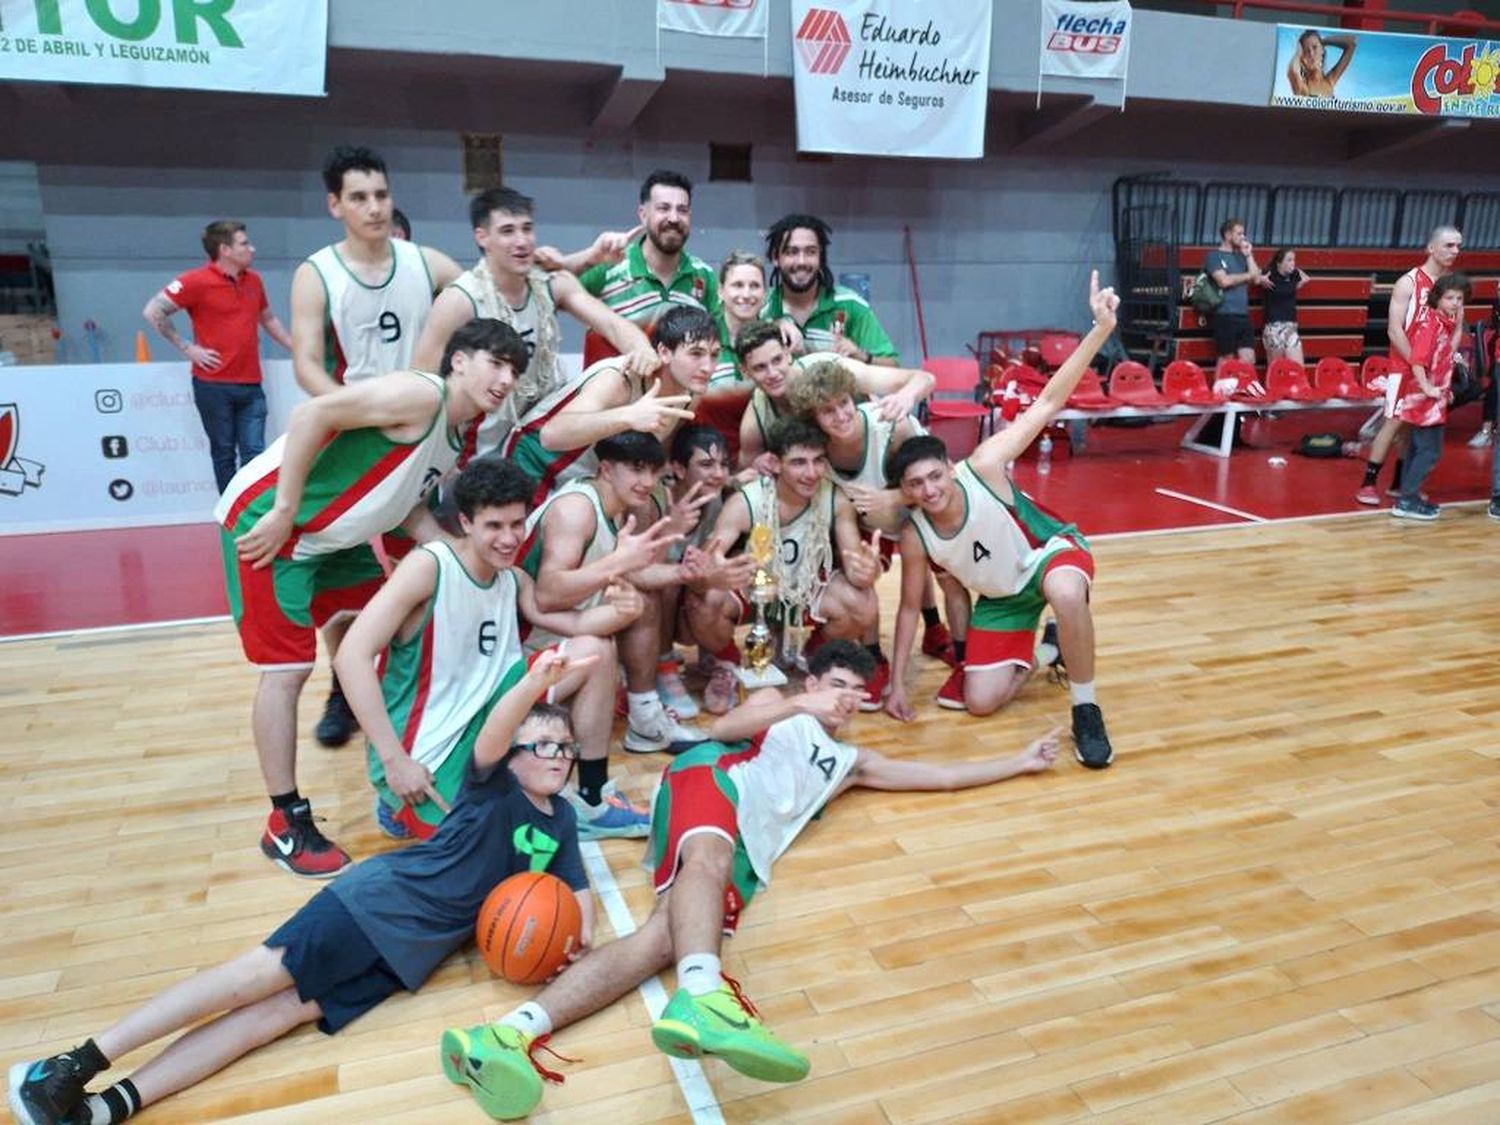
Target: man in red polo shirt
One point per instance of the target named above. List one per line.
(226, 302)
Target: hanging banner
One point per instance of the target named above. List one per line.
(254, 46)
(891, 77)
(1378, 72)
(747, 19)
(1086, 40)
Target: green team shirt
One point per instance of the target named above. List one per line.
(629, 287)
(860, 324)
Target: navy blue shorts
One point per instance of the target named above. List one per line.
(332, 961)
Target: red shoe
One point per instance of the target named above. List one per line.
(1368, 495)
(951, 694)
(876, 687)
(937, 643)
(292, 842)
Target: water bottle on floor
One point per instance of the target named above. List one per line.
(1044, 454)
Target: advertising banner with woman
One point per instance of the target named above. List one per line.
(1377, 72)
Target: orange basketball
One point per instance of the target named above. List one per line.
(527, 927)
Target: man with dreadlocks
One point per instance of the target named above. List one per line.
(825, 573)
(818, 315)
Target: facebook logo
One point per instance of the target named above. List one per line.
(115, 446)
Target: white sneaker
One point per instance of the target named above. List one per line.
(673, 692)
(722, 691)
(614, 817)
(1483, 438)
(650, 728)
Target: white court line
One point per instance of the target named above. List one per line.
(132, 628)
(689, 1074)
(1210, 504)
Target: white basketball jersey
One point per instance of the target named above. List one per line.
(992, 553)
(797, 767)
(795, 531)
(600, 544)
(451, 670)
(871, 471)
(372, 329)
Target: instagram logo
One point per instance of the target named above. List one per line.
(109, 401)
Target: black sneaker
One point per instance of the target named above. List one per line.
(1494, 511)
(48, 1091)
(1415, 510)
(1090, 742)
(337, 726)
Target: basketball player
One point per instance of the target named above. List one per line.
(811, 523)
(553, 441)
(860, 442)
(766, 360)
(692, 494)
(974, 523)
(724, 813)
(1408, 297)
(357, 309)
(296, 527)
(508, 284)
(581, 539)
(445, 630)
(385, 926)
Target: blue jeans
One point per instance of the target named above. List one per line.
(234, 418)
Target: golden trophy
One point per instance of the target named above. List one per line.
(758, 671)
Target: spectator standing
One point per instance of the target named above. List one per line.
(1231, 266)
(1281, 283)
(226, 303)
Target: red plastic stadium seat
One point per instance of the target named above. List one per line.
(1056, 347)
(1373, 371)
(1184, 381)
(1336, 378)
(1089, 394)
(1131, 383)
(952, 412)
(1246, 379)
(1286, 380)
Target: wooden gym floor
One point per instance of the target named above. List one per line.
(1282, 903)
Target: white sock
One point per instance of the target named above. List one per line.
(642, 701)
(700, 974)
(1082, 693)
(531, 1018)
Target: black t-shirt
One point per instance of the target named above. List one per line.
(419, 904)
(1281, 298)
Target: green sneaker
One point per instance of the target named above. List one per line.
(724, 1023)
(494, 1061)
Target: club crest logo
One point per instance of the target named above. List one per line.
(16, 473)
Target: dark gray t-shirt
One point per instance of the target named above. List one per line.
(1236, 297)
(419, 904)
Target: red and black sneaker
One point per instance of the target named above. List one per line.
(938, 643)
(876, 687)
(951, 694)
(293, 842)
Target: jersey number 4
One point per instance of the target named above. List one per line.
(981, 552)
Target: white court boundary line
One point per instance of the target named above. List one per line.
(133, 627)
(696, 1091)
(1202, 503)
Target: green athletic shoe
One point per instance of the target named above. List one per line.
(724, 1023)
(494, 1062)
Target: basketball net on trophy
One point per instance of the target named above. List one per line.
(796, 592)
